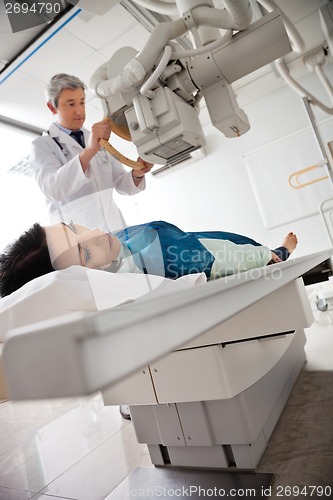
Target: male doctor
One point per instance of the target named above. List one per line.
(74, 173)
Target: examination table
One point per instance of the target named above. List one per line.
(206, 371)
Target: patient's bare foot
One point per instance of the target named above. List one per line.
(290, 242)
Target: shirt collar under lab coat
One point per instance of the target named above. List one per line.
(66, 130)
(59, 132)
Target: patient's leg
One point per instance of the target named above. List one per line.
(290, 242)
(231, 258)
(283, 252)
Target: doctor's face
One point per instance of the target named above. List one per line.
(72, 244)
(71, 111)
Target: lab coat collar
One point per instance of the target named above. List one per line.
(65, 138)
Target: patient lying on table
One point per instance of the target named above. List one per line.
(158, 248)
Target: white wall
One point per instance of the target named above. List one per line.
(21, 202)
(214, 191)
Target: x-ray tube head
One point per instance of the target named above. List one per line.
(160, 101)
(170, 130)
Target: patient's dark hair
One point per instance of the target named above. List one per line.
(24, 260)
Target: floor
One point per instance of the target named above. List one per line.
(80, 450)
(300, 450)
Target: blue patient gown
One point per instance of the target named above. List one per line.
(162, 249)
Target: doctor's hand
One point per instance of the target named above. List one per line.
(99, 130)
(138, 174)
(146, 167)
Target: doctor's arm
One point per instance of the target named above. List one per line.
(99, 130)
(56, 177)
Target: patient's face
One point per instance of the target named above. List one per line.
(73, 244)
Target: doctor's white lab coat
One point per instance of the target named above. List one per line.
(73, 195)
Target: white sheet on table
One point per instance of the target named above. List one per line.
(81, 289)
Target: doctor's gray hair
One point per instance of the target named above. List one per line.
(58, 83)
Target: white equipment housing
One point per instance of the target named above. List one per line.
(165, 128)
(208, 370)
(162, 111)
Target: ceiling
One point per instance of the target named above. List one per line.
(82, 40)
